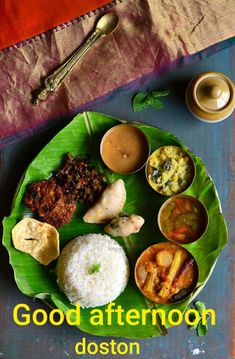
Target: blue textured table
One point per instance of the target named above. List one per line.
(215, 144)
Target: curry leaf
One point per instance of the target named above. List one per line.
(202, 329)
(200, 306)
(157, 94)
(157, 104)
(140, 101)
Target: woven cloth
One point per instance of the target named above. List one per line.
(20, 20)
(153, 35)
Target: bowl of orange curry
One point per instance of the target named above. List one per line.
(166, 273)
(183, 219)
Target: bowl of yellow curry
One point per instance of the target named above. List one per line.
(170, 170)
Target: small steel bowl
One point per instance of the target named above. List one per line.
(151, 251)
(148, 172)
(145, 143)
(203, 214)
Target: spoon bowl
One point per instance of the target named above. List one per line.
(107, 23)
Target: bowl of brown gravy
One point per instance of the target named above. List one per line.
(124, 149)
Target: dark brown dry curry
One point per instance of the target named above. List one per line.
(54, 200)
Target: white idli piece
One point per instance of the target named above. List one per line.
(92, 270)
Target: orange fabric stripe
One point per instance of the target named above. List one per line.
(20, 20)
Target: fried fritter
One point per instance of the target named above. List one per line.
(47, 199)
(81, 181)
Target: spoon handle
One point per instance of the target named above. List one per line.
(53, 81)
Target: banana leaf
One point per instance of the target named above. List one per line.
(82, 138)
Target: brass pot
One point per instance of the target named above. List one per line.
(210, 97)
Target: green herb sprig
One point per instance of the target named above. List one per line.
(94, 268)
(148, 98)
(200, 328)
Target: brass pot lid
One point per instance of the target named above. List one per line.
(210, 96)
(213, 92)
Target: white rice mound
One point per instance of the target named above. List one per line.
(99, 288)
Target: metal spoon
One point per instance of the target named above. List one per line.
(105, 25)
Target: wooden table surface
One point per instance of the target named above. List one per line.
(216, 145)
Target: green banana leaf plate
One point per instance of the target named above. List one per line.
(82, 138)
